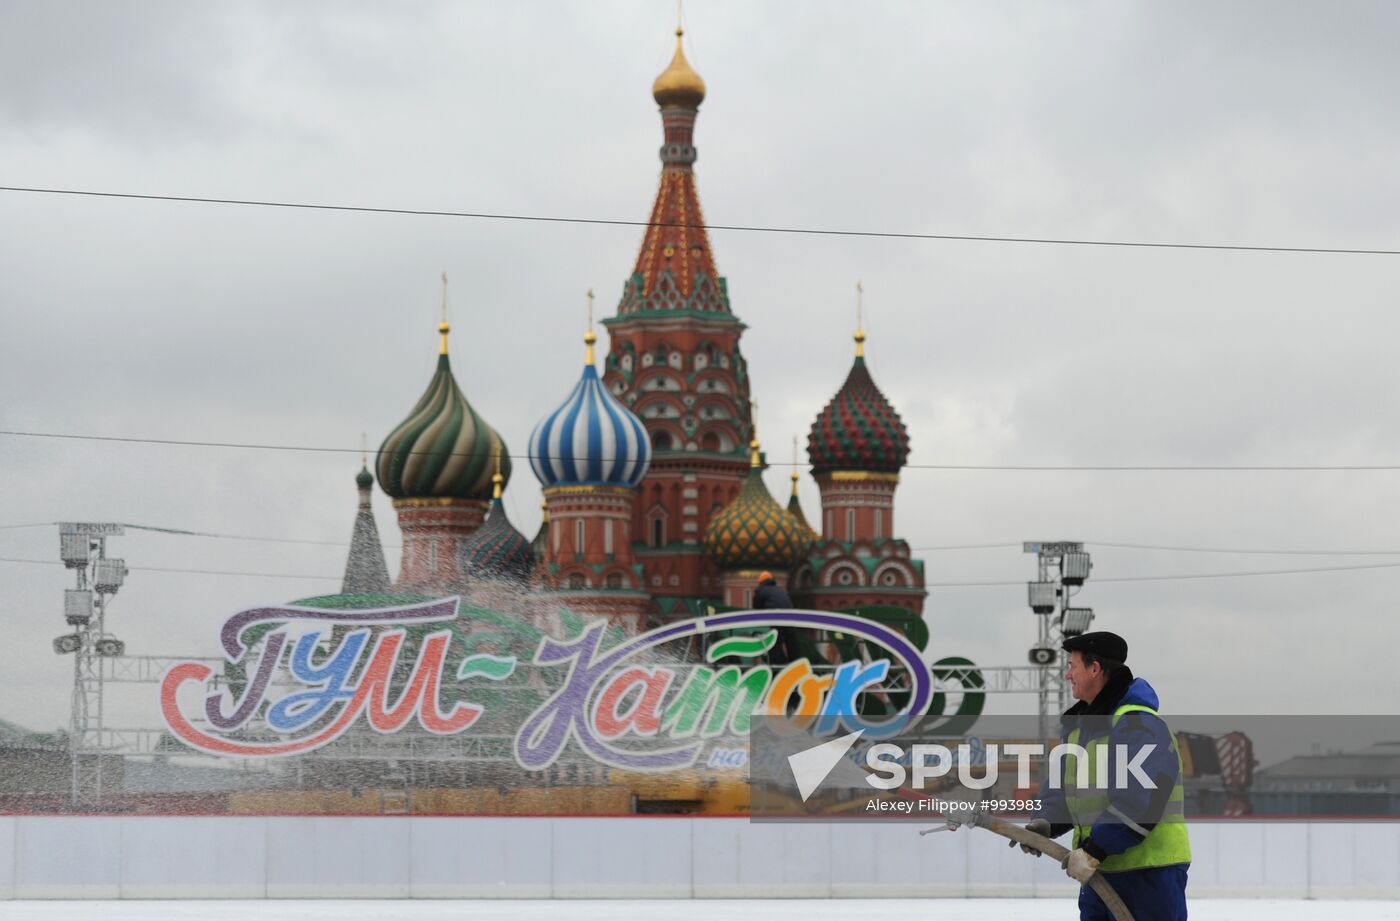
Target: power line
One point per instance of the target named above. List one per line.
(810, 231)
(1166, 577)
(246, 537)
(1248, 574)
(186, 533)
(1182, 577)
(1020, 468)
(225, 572)
(271, 540)
(1243, 550)
(1258, 551)
(123, 439)
(1142, 468)
(198, 572)
(1004, 545)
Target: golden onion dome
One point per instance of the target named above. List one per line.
(754, 531)
(679, 86)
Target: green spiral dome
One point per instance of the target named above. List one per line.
(443, 450)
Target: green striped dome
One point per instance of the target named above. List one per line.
(443, 450)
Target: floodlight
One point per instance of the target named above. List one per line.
(1042, 596)
(109, 576)
(1074, 568)
(73, 549)
(77, 606)
(1076, 621)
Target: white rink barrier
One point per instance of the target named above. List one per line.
(144, 857)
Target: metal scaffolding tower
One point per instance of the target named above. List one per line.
(1063, 567)
(83, 549)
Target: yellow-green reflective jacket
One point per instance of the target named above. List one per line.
(1163, 843)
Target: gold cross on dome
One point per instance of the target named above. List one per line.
(860, 320)
(589, 338)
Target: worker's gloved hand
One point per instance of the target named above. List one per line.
(1080, 865)
(1040, 827)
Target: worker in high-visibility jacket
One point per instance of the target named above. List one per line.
(1123, 797)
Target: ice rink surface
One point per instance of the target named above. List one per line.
(651, 910)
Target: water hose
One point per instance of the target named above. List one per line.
(980, 819)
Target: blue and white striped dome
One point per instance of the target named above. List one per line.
(590, 440)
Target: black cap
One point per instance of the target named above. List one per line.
(1103, 644)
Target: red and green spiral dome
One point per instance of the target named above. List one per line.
(858, 429)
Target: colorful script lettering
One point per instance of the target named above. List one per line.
(617, 704)
(604, 699)
(351, 679)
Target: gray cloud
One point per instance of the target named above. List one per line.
(1245, 123)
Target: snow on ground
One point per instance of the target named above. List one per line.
(677, 910)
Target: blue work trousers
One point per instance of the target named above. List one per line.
(1153, 894)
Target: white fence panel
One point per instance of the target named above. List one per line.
(444, 857)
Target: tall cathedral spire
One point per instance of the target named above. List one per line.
(674, 360)
(675, 269)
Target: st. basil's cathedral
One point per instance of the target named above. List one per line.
(655, 506)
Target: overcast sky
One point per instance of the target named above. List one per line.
(1253, 123)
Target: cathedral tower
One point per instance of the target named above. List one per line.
(589, 455)
(857, 446)
(437, 465)
(674, 360)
